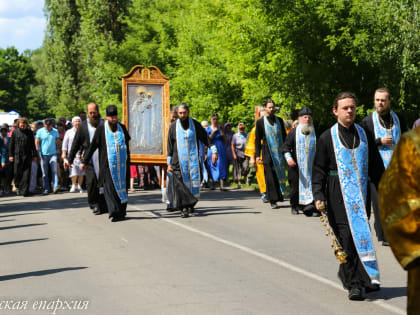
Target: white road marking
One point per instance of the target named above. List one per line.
(271, 259)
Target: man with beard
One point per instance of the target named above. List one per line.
(340, 181)
(385, 127)
(81, 143)
(21, 153)
(112, 140)
(183, 159)
(299, 152)
(270, 130)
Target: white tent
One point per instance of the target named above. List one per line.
(8, 118)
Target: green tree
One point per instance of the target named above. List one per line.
(16, 77)
(102, 30)
(228, 56)
(62, 72)
(385, 35)
(38, 108)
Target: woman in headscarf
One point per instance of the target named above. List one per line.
(217, 137)
(76, 173)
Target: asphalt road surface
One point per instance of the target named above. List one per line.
(235, 256)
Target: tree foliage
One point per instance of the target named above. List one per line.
(228, 56)
(16, 77)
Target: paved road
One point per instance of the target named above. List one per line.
(236, 256)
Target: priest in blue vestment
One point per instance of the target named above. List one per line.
(342, 165)
(299, 153)
(184, 137)
(385, 128)
(269, 137)
(112, 140)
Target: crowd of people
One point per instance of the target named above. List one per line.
(337, 172)
(33, 156)
(34, 159)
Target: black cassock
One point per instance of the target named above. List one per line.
(180, 196)
(273, 187)
(81, 143)
(116, 209)
(326, 186)
(22, 149)
(289, 146)
(367, 124)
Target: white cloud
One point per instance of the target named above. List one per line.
(23, 33)
(21, 8)
(22, 24)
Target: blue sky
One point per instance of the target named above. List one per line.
(22, 24)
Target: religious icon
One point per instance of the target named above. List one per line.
(145, 118)
(146, 113)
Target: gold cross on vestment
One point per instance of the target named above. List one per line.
(364, 242)
(348, 173)
(355, 207)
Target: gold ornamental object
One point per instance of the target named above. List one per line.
(339, 252)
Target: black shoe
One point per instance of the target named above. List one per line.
(192, 210)
(308, 213)
(373, 288)
(169, 208)
(274, 205)
(96, 211)
(295, 210)
(265, 200)
(185, 213)
(28, 194)
(355, 294)
(116, 219)
(385, 243)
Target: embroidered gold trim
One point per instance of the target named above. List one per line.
(415, 137)
(402, 211)
(408, 259)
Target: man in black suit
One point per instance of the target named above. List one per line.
(81, 143)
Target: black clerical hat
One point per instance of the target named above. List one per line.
(112, 110)
(305, 111)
